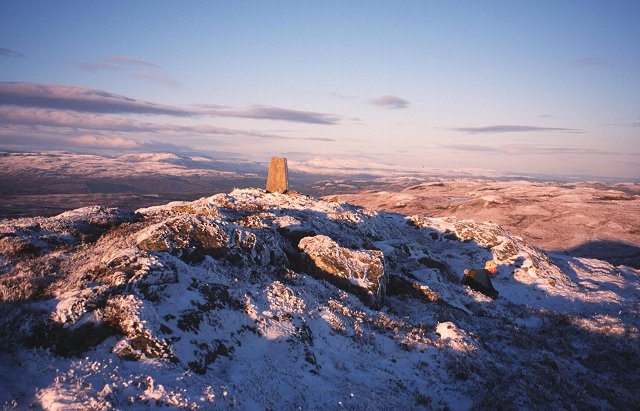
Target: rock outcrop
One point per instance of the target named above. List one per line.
(278, 299)
(358, 271)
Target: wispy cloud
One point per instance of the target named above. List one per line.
(129, 61)
(61, 120)
(277, 113)
(623, 124)
(33, 139)
(79, 99)
(64, 101)
(98, 141)
(126, 64)
(529, 149)
(28, 116)
(390, 102)
(10, 53)
(472, 148)
(114, 63)
(156, 78)
(515, 129)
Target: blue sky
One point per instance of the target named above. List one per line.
(530, 87)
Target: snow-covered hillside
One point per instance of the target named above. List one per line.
(278, 301)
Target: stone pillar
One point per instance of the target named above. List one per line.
(278, 177)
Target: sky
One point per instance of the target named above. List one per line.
(513, 87)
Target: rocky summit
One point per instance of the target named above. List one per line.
(260, 300)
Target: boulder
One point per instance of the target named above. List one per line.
(190, 237)
(360, 272)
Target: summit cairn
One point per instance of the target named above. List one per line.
(278, 177)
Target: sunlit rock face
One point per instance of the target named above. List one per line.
(268, 300)
(360, 272)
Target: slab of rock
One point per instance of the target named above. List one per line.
(278, 177)
(360, 272)
(190, 237)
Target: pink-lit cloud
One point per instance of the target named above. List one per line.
(114, 63)
(276, 113)
(79, 99)
(38, 139)
(528, 149)
(156, 78)
(39, 117)
(390, 102)
(57, 118)
(98, 141)
(515, 129)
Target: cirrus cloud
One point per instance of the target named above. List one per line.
(276, 113)
(10, 53)
(515, 129)
(125, 64)
(393, 102)
(114, 63)
(528, 149)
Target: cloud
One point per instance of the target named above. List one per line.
(28, 116)
(114, 63)
(33, 139)
(515, 129)
(10, 53)
(528, 149)
(126, 63)
(85, 100)
(61, 119)
(156, 78)
(98, 141)
(390, 102)
(472, 148)
(128, 60)
(343, 96)
(276, 113)
(79, 99)
(633, 125)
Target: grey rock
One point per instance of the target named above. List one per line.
(360, 272)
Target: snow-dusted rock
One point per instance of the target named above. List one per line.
(189, 236)
(358, 271)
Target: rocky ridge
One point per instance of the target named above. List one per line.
(265, 300)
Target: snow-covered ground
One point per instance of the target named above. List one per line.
(213, 304)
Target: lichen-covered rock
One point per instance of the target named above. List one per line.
(356, 271)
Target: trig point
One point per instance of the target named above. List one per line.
(278, 177)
